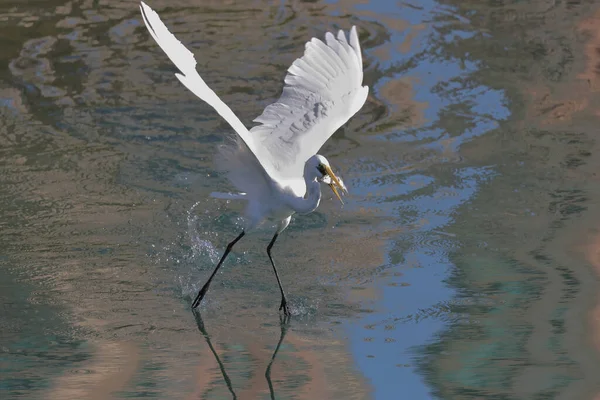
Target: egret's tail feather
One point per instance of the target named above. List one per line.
(228, 196)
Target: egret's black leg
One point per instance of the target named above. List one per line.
(204, 289)
(283, 305)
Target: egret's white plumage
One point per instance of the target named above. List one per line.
(323, 90)
(275, 164)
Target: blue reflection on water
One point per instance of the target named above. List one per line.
(383, 351)
(384, 347)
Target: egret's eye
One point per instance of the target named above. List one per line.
(321, 169)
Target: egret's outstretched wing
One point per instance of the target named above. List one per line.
(184, 60)
(323, 90)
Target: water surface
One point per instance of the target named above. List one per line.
(455, 269)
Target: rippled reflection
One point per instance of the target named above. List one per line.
(284, 325)
(284, 322)
(202, 330)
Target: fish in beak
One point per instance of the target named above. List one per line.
(335, 183)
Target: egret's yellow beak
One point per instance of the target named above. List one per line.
(335, 184)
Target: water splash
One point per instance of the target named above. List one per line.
(200, 245)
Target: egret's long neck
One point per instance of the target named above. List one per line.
(311, 200)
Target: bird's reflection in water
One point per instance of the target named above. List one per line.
(284, 323)
(202, 330)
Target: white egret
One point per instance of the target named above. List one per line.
(274, 165)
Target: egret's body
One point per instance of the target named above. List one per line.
(274, 165)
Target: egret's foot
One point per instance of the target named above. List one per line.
(285, 308)
(200, 296)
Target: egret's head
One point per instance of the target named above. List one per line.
(325, 174)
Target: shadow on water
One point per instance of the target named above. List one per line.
(284, 323)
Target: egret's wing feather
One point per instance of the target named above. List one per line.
(235, 159)
(184, 60)
(323, 89)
